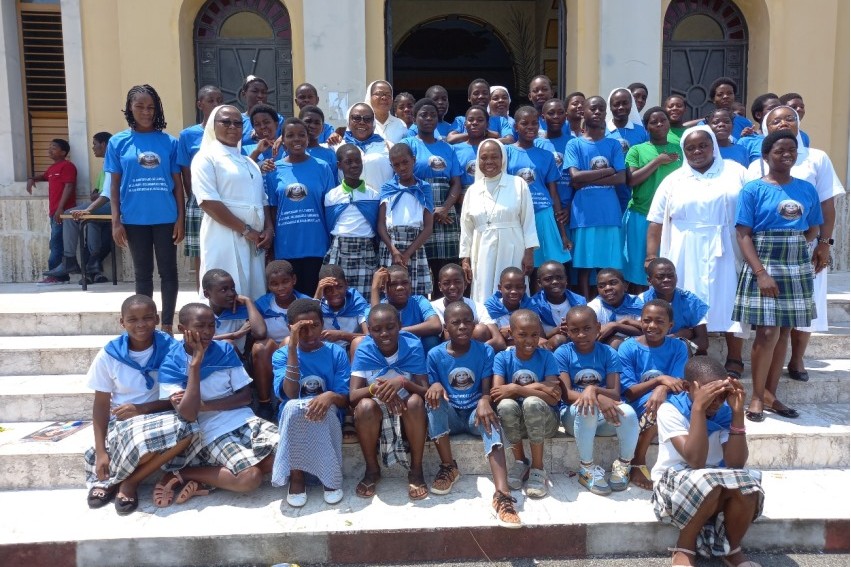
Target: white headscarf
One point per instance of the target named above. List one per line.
(501, 88)
(209, 142)
(717, 161)
(368, 96)
(479, 174)
(634, 116)
(802, 149)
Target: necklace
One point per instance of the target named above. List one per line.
(495, 196)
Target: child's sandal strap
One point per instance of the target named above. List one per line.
(682, 550)
(735, 551)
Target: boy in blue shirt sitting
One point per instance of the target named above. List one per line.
(458, 401)
(510, 296)
(553, 302)
(617, 311)
(344, 309)
(653, 367)
(416, 313)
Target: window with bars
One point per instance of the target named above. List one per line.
(44, 80)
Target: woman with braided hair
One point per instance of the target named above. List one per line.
(147, 196)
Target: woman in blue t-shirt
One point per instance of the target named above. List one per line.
(147, 196)
(775, 218)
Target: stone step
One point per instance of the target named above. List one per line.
(66, 397)
(818, 439)
(261, 529)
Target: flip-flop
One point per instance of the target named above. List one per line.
(164, 492)
(99, 497)
(800, 376)
(366, 487)
(417, 489)
(737, 374)
(189, 490)
(125, 505)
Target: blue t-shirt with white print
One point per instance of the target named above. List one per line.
(436, 160)
(524, 372)
(537, 167)
(587, 369)
(461, 377)
(188, 144)
(594, 205)
(642, 363)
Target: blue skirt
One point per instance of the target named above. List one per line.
(597, 247)
(634, 247)
(549, 239)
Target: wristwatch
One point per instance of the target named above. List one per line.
(246, 230)
(828, 241)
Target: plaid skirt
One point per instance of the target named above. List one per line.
(236, 450)
(358, 259)
(785, 257)
(418, 271)
(443, 243)
(315, 447)
(129, 440)
(680, 492)
(192, 228)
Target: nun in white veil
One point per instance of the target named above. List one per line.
(633, 131)
(379, 96)
(497, 223)
(361, 124)
(237, 227)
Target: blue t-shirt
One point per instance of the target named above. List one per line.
(498, 124)
(248, 128)
(466, 156)
(594, 205)
(587, 369)
(461, 377)
(689, 310)
(441, 130)
(804, 137)
(751, 144)
(764, 206)
(557, 146)
(328, 156)
(737, 153)
(434, 161)
(146, 162)
(537, 167)
(188, 144)
(298, 191)
(642, 363)
(739, 124)
(524, 372)
(415, 312)
(627, 137)
(327, 130)
(264, 155)
(325, 369)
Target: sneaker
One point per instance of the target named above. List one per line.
(100, 278)
(619, 478)
(503, 510)
(517, 474)
(445, 479)
(50, 280)
(536, 486)
(87, 279)
(594, 479)
(68, 266)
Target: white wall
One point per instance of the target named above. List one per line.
(13, 151)
(335, 51)
(631, 46)
(75, 92)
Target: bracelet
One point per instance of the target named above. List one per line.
(760, 271)
(371, 393)
(291, 379)
(737, 430)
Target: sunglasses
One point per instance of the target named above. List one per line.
(361, 118)
(230, 123)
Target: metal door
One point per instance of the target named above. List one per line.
(690, 67)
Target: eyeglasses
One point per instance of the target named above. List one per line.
(381, 94)
(360, 118)
(230, 123)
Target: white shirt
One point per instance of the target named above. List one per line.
(126, 385)
(392, 130)
(351, 223)
(673, 424)
(407, 212)
(217, 385)
(276, 327)
(371, 375)
(480, 314)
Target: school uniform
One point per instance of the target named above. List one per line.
(437, 165)
(416, 311)
(778, 215)
(461, 378)
(375, 154)
(404, 208)
(591, 369)
(275, 316)
(499, 313)
(552, 314)
(629, 308)
(349, 317)
(230, 321)
(480, 314)
(188, 144)
(130, 377)
(689, 310)
(370, 364)
(641, 363)
(315, 447)
(234, 439)
(595, 214)
(538, 168)
(679, 490)
(352, 217)
(531, 417)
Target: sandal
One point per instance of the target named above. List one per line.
(643, 478)
(800, 376)
(746, 563)
(164, 492)
(99, 497)
(190, 490)
(366, 486)
(125, 505)
(350, 434)
(737, 374)
(417, 488)
(681, 550)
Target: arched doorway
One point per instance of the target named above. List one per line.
(451, 51)
(703, 40)
(237, 39)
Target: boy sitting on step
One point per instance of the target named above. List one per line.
(553, 302)
(510, 296)
(617, 311)
(344, 309)
(458, 401)
(135, 432)
(415, 311)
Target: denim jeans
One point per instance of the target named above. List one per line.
(95, 253)
(531, 418)
(56, 247)
(585, 427)
(447, 420)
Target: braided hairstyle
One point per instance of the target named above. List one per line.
(159, 115)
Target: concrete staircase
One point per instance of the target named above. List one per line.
(49, 336)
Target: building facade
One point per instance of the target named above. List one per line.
(92, 51)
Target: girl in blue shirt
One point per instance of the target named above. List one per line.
(775, 218)
(538, 168)
(557, 137)
(596, 166)
(478, 94)
(721, 122)
(264, 120)
(297, 195)
(147, 196)
(307, 95)
(476, 128)
(437, 165)
(314, 118)
(253, 92)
